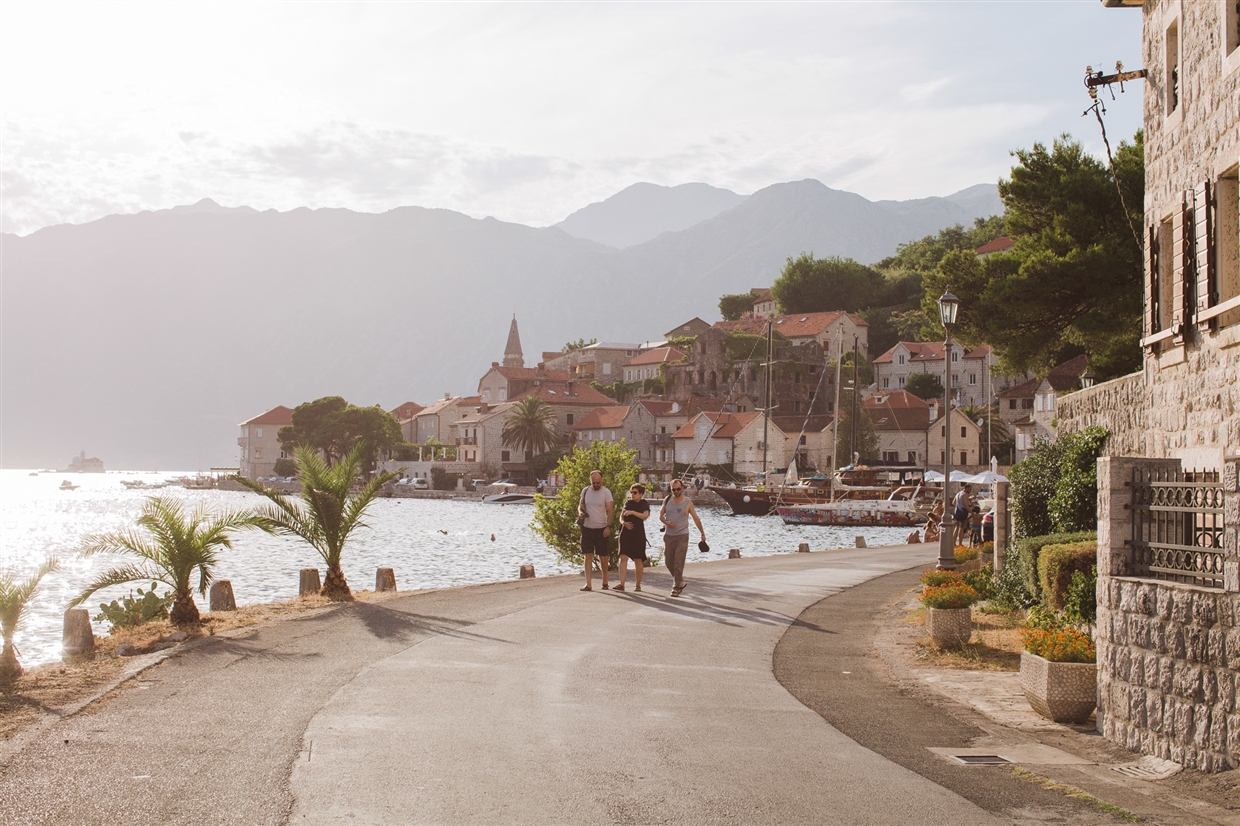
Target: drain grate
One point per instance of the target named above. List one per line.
(1148, 768)
(981, 759)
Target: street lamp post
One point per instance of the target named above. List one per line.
(948, 306)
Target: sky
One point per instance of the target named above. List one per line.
(529, 111)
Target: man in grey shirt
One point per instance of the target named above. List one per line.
(675, 514)
(596, 506)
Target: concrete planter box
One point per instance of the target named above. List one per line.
(949, 627)
(1063, 692)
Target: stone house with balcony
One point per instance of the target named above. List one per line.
(601, 362)
(1030, 409)
(730, 438)
(902, 422)
(479, 438)
(435, 422)
(732, 370)
(648, 365)
(1168, 626)
(974, 382)
(260, 444)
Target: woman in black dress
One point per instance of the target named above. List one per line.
(633, 536)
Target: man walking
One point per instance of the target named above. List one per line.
(595, 509)
(960, 513)
(675, 514)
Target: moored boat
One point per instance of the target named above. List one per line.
(863, 513)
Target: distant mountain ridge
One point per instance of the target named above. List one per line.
(146, 338)
(644, 211)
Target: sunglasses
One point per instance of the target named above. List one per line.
(677, 490)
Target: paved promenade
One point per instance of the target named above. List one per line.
(530, 703)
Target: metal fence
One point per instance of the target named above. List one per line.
(1177, 526)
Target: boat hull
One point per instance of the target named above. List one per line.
(859, 514)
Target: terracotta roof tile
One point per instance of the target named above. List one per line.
(1000, 244)
(655, 356)
(279, 414)
(407, 411)
(793, 325)
(896, 399)
(603, 418)
(726, 425)
(570, 392)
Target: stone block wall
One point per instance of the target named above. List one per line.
(1168, 654)
(1119, 405)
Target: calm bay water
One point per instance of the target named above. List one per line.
(429, 543)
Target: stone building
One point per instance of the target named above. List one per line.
(901, 421)
(434, 423)
(827, 330)
(647, 365)
(601, 361)
(259, 442)
(1168, 629)
(974, 382)
(1030, 409)
(731, 439)
(731, 369)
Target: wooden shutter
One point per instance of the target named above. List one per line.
(1181, 224)
(1153, 323)
(1203, 247)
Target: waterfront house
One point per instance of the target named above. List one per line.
(434, 423)
(732, 440)
(813, 438)
(479, 438)
(974, 383)
(968, 450)
(1169, 480)
(259, 442)
(902, 423)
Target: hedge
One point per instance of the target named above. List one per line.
(1057, 563)
(1024, 556)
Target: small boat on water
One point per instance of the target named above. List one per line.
(863, 513)
(847, 484)
(508, 495)
(67, 485)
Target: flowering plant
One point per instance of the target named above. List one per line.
(964, 554)
(938, 576)
(957, 594)
(1060, 645)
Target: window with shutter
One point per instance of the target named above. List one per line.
(1226, 248)
(1203, 252)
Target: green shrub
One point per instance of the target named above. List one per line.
(127, 611)
(950, 595)
(981, 581)
(555, 520)
(963, 554)
(1057, 563)
(1033, 485)
(1024, 557)
(1055, 490)
(935, 576)
(1080, 604)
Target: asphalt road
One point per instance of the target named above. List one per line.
(522, 702)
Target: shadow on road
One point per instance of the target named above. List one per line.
(701, 600)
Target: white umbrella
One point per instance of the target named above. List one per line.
(986, 477)
(957, 476)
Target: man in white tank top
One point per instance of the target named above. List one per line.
(675, 514)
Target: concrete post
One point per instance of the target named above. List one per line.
(1002, 523)
(1231, 524)
(222, 596)
(385, 580)
(78, 638)
(803, 548)
(309, 582)
(527, 571)
(734, 553)
(860, 541)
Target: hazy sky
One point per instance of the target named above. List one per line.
(527, 111)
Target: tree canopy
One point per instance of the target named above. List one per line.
(555, 520)
(733, 307)
(925, 386)
(578, 344)
(530, 426)
(1072, 283)
(814, 285)
(334, 427)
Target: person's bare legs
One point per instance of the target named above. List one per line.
(589, 573)
(624, 569)
(637, 574)
(603, 560)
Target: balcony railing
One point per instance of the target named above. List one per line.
(1177, 526)
(467, 440)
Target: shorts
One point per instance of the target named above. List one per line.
(593, 542)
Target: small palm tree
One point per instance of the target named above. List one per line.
(530, 426)
(14, 597)
(171, 545)
(328, 512)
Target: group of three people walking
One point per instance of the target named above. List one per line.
(595, 511)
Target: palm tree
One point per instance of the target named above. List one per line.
(530, 426)
(14, 596)
(328, 512)
(171, 545)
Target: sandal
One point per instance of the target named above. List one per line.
(637, 587)
(587, 588)
(619, 587)
(677, 590)
(606, 587)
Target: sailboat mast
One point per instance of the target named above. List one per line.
(766, 413)
(835, 424)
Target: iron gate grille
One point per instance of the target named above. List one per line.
(1177, 526)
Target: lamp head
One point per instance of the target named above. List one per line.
(949, 305)
(1087, 378)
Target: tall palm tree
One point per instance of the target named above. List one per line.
(328, 512)
(530, 426)
(171, 544)
(14, 596)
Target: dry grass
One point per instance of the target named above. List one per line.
(995, 646)
(48, 689)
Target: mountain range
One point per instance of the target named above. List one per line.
(146, 338)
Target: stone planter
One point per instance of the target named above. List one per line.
(949, 627)
(1063, 692)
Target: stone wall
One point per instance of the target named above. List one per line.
(1168, 654)
(1119, 405)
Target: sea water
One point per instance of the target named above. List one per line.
(430, 543)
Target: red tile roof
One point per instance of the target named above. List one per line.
(279, 414)
(656, 356)
(657, 407)
(1024, 389)
(794, 325)
(760, 293)
(1072, 367)
(407, 411)
(896, 399)
(530, 373)
(1000, 244)
(726, 425)
(570, 392)
(602, 418)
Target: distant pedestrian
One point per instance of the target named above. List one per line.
(960, 514)
(975, 527)
(675, 515)
(633, 535)
(594, 511)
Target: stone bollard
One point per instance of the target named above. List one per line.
(222, 596)
(734, 553)
(309, 582)
(385, 580)
(860, 540)
(527, 571)
(78, 639)
(803, 548)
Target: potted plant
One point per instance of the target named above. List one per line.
(1058, 671)
(949, 608)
